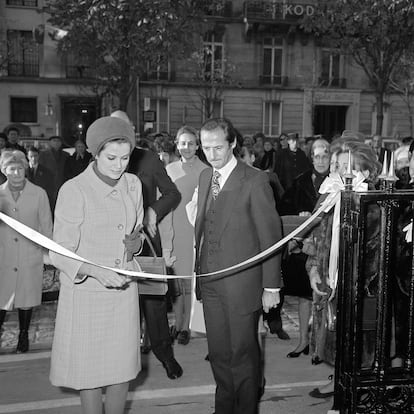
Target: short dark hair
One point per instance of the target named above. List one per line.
(55, 137)
(223, 124)
(4, 136)
(13, 129)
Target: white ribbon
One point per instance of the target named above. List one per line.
(334, 184)
(49, 244)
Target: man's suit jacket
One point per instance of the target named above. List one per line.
(249, 224)
(43, 178)
(151, 171)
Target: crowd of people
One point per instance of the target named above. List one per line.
(245, 193)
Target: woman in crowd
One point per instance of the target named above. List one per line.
(78, 161)
(267, 162)
(363, 160)
(176, 231)
(97, 324)
(21, 260)
(304, 193)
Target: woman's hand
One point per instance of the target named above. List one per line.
(110, 279)
(315, 279)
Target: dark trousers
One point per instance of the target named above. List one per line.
(154, 309)
(233, 352)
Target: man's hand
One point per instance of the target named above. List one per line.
(150, 221)
(270, 300)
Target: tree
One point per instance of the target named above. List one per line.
(211, 78)
(120, 39)
(375, 33)
(402, 83)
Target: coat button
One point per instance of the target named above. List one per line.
(120, 226)
(16, 239)
(114, 192)
(14, 209)
(118, 261)
(15, 269)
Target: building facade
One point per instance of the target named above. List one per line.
(274, 78)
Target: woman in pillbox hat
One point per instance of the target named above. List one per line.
(97, 323)
(107, 129)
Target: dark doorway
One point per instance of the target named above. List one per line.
(77, 114)
(329, 120)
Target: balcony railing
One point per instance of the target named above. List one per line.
(332, 82)
(273, 80)
(79, 72)
(276, 10)
(24, 3)
(218, 8)
(23, 69)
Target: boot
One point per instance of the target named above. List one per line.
(25, 315)
(2, 316)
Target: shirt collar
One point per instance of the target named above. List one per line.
(227, 170)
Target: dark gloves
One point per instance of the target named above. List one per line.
(133, 243)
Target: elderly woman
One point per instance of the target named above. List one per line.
(177, 234)
(363, 161)
(21, 260)
(97, 323)
(305, 194)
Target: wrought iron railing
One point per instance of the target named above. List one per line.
(374, 371)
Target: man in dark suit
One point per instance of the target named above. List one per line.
(39, 174)
(54, 159)
(150, 170)
(380, 151)
(236, 220)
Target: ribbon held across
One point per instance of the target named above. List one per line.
(49, 244)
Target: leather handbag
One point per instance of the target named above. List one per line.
(151, 264)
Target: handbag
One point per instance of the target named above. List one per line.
(151, 264)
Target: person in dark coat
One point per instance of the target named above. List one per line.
(39, 175)
(305, 194)
(149, 169)
(13, 135)
(290, 163)
(78, 161)
(54, 159)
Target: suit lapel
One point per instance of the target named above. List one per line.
(230, 192)
(203, 192)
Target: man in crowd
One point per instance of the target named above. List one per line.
(39, 174)
(231, 227)
(380, 151)
(150, 170)
(54, 159)
(13, 136)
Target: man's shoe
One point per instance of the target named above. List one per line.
(173, 368)
(282, 334)
(315, 393)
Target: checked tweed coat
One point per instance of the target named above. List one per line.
(97, 329)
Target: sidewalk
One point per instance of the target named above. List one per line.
(25, 387)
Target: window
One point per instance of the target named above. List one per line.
(212, 109)
(272, 60)
(162, 117)
(77, 66)
(271, 118)
(24, 3)
(330, 69)
(23, 54)
(159, 70)
(23, 110)
(213, 56)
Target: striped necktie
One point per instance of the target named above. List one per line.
(215, 185)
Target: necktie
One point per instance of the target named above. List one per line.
(215, 185)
